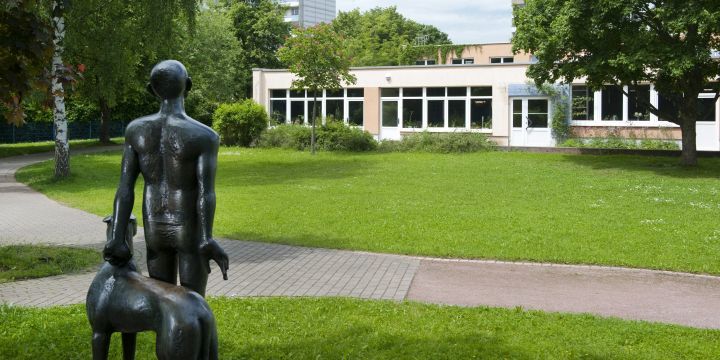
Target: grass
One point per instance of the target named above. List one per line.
(306, 328)
(615, 210)
(18, 262)
(27, 148)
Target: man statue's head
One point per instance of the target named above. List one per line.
(169, 80)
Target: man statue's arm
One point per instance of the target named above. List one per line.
(117, 250)
(207, 165)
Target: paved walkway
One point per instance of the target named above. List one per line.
(259, 269)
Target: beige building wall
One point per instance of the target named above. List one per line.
(371, 110)
(372, 79)
(482, 53)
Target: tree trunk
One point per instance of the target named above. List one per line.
(104, 133)
(312, 135)
(62, 147)
(689, 142)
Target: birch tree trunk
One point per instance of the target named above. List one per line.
(62, 148)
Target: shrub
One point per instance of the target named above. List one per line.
(286, 136)
(334, 136)
(620, 143)
(460, 142)
(240, 123)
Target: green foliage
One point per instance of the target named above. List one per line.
(18, 262)
(493, 205)
(316, 57)
(384, 37)
(667, 43)
(240, 123)
(340, 328)
(461, 142)
(333, 136)
(25, 52)
(437, 52)
(261, 30)
(283, 136)
(210, 54)
(336, 136)
(560, 121)
(615, 142)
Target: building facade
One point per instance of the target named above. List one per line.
(484, 89)
(305, 13)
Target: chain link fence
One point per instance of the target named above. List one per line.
(45, 131)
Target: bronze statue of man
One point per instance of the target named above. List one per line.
(177, 157)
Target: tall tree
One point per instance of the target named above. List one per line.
(317, 59)
(381, 36)
(664, 42)
(62, 147)
(119, 41)
(261, 29)
(210, 55)
(25, 52)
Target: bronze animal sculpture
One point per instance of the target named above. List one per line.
(177, 157)
(122, 300)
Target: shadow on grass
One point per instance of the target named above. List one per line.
(708, 168)
(359, 341)
(239, 173)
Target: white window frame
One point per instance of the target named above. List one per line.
(322, 99)
(446, 108)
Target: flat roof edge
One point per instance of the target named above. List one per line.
(443, 66)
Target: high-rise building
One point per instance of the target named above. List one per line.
(306, 13)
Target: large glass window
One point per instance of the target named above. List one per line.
(517, 113)
(297, 93)
(706, 109)
(318, 110)
(436, 92)
(412, 92)
(390, 92)
(356, 92)
(537, 113)
(355, 113)
(412, 113)
(612, 103)
(278, 111)
(278, 93)
(456, 113)
(436, 113)
(335, 109)
(335, 93)
(481, 91)
(638, 100)
(481, 113)
(297, 112)
(583, 103)
(457, 91)
(389, 113)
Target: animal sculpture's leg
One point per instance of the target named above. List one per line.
(100, 346)
(128, 344)
(193, 272)
(178, 339)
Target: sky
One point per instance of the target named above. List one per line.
(466, 21)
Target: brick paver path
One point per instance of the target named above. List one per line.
(259, 269)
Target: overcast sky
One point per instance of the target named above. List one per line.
(466, 21)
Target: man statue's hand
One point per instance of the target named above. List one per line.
(211, 250)
(117, 254)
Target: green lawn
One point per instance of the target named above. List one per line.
(616, 210)
(19, 262)
(46, 146)
(306, 328)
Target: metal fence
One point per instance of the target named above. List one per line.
(45, 131)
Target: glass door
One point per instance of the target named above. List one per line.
(390, 120)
